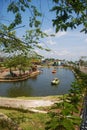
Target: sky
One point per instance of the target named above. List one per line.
(69, 45)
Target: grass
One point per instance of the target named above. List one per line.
(38, 98)
(26, 120)
(56, 97)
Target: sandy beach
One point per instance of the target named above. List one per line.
(25, 104)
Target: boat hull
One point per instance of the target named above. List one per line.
(55, 82)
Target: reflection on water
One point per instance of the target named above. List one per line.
(20, 89)
(39, 85)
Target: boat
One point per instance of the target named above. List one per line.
(55, 81)
(54, 71)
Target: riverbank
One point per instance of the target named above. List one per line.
(30, 104)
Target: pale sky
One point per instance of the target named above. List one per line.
(70, 45)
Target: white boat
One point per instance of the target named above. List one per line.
(55, 81)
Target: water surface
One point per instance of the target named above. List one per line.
(39, 85)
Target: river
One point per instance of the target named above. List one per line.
(39, 85)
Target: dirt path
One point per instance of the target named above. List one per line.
(25, 104)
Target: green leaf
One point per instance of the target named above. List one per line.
(68, 125)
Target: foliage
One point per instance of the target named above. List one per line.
(63, 114)
(19, 6)
(77, 87)
(70, 14)
(32, 38)
(9, 42)
(24, 120)
(19, 61)
(8, 39)
(83, 78)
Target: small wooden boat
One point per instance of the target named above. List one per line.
(54, 71)
(55, 81)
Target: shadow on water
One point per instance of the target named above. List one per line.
(39, 85)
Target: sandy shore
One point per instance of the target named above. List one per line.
(15, 103)
(26, 104)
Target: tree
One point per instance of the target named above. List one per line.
(8, 39)
(19, 6)
(70, 14)
(9, 42)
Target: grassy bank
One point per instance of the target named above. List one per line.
(38, 98)
(23, 120)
